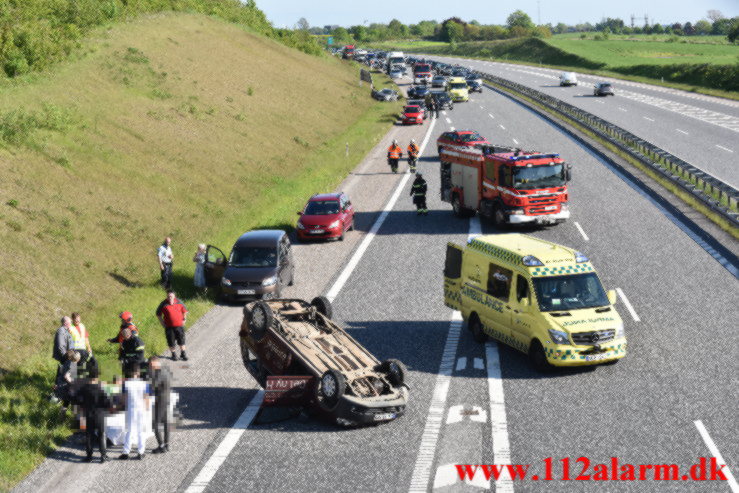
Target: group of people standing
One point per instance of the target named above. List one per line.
(419, 187)
(77, 381)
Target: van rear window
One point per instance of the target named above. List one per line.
(453, 264)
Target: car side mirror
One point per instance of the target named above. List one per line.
(612, 298)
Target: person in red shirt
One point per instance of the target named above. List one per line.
(172, 314)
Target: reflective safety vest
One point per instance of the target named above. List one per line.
(419, 189)
(394, 152)
(412, 150)
(79, 334)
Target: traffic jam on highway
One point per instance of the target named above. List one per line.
(455, 301)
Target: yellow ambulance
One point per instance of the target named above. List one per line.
(458, 89)
(541, 298)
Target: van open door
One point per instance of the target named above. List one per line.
(453, 276)
(215, 265)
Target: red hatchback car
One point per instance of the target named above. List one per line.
(413, 114)
(328, 215)
(463, 138)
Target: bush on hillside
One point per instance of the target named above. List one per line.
(724, 77)
(37, 33)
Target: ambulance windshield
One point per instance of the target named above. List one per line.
(573, 292)
(542, 176)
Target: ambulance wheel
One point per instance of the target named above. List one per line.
(539, 358)
(476, 327)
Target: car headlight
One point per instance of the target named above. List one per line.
(334, 224)
(270, 281)
(559, 337)
(225, 281)
(620, 332)
(300, 225)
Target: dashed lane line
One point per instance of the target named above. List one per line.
(647, 118)
(501, 126)
(724, 148)
(498, 420)
(682, 131)
(622, 109)
(582, 232)
(435, 417)
(491, 116)
(730, 480)
(448, 120)
(628, 305)
(515, 141)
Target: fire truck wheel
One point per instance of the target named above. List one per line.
(499, 217)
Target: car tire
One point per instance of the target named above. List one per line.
(323, 306)
(260, 318)
(538, 357)
(475, 325)
(395, 370)
(329, 389)
(351, 226)
(292, 279)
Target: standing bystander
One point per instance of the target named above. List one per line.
(80, 339)
(172, 314)
(164, 254)
(65, 378)
(136, 393)
(199, 259)
(95, 403)
(160, 388)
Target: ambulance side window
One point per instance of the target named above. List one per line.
(522, 288)
(499, 282)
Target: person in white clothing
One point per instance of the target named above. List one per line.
(165, 257)
(136, 392)
(199, 259)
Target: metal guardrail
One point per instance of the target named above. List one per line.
(720, 197)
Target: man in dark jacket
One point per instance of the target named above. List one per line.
(160, 385)
(418, 192)
(95, 404)
(132, 349)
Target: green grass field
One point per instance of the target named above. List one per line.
(171, 124)
(710, 39)
(622, 53)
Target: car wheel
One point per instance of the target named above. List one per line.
(351, 226)
(395, 370)
(323, 306)
(292, 279)
(499, 217)
(538, 357)
(478, 334)
(260, 319)
(329, 389)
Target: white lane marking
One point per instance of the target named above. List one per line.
(478, 364)
(452, 129)
(461, 363)
(446, 475)
(491, 116)
(682, 131)
(715, 452)
(628, 305)
(501, 126)
(443, 112)
(460, 412)
(448, 120)
(435, 416)
(498, 421)
(352, 264)
(481, 107)
(515, 141)
(582, 232)
(724, 148)
(647, 118)
(622, 109)
(455, 414)
(232, 437)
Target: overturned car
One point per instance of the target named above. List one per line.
(294, 339)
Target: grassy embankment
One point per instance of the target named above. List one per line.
(173, 124)
(701, 67)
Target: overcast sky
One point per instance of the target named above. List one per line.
(285, 13)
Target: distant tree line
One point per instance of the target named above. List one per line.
(519, 24)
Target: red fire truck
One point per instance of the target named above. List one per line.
(506, 185)
(348, 52)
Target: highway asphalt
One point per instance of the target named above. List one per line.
(703, 130)
(681, 367)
